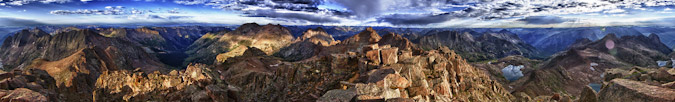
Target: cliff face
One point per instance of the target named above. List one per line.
(21, 48)
(76, 58)
(310, 43)
(59, 46)
(269, 38)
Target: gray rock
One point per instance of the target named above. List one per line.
(338, 95)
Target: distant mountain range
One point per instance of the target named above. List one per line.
(529, 42)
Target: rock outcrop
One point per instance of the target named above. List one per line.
(196, 83)
(59, 46)
(31, 85)
(634, 91)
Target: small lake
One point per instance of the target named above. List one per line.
(595, 87)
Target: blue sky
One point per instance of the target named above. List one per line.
(394, 13)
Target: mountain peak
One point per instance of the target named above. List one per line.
(610, 36)
(367, 36)
(319, 29)
(249, 24)
(317, 36)
(370, 29)
(504, 31)
(247, 27)
(35, 31)
(654, 37)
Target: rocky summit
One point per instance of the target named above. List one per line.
(362, 70)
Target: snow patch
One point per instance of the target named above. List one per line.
(592, 65)
(661, 63)
(512, 72)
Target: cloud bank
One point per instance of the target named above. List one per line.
(392, 12)
(18, 22)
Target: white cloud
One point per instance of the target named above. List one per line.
(615, 11)
(394, 12)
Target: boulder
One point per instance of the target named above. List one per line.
(389, 56)
(624, 90)
(670, 85)
(395, 81)
(338, 95)
(22, 95)
(368, 92)
(373, 56)
(662, 74)
(588, 95)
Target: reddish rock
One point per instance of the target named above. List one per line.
(368, 36)
(389, 56)
(396, 81)
(23, 95)
(196, 83)
(373, 56)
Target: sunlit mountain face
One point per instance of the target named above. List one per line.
(337, 50)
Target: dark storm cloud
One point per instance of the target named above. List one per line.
(311, 17)
(414, 19)
(294, 5)
(288, 10)
(19, 22)
(363, 8)
(544, 20)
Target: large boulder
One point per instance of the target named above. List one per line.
(22, 95)
(634, 91)
(389, 56)
(588, 95)
(338, 95)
